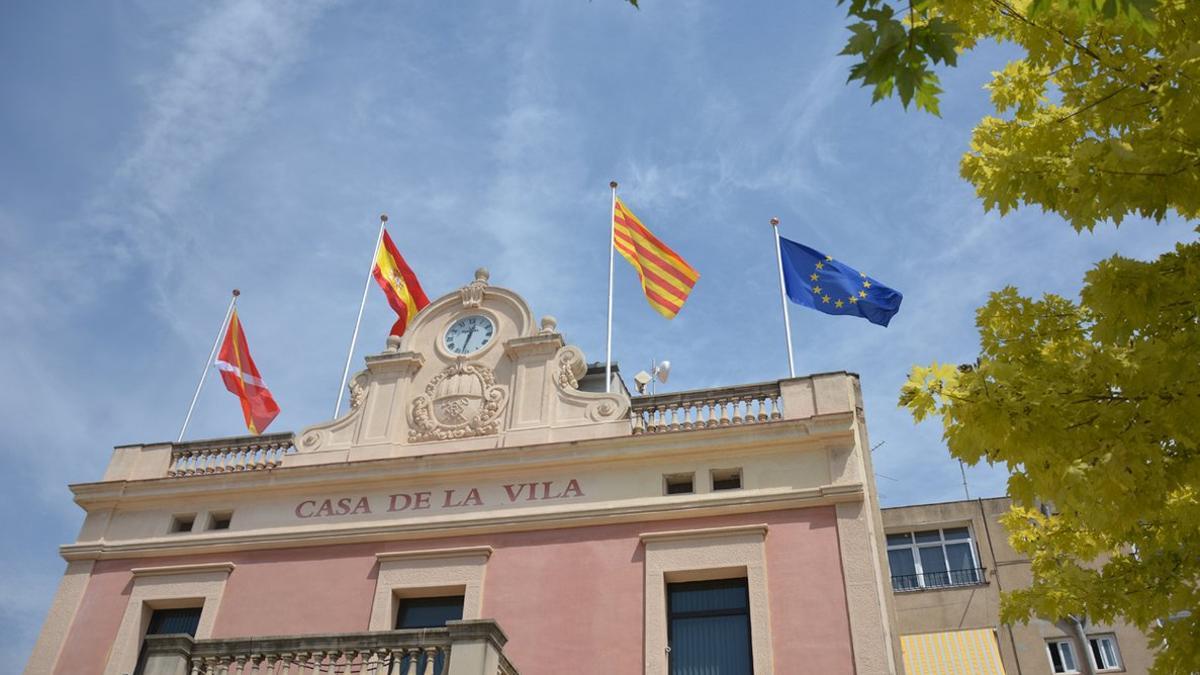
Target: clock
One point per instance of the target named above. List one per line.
(469, 334)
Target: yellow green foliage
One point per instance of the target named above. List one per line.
(1098, 121)
(1094, 407)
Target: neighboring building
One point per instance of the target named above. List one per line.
(949, 563)
(485, 508)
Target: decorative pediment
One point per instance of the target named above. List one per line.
(472, 371)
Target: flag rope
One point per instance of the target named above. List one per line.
(337, 407)
(207, 362)
(787, 324)
(612, 249)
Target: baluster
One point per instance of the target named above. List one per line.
(350, 655)
(301, 662)
(777, 412)
(750, 417)
(413, 655)
(445, 651)
(430, 654)
(737, 410)
(394, 661)
(197, 667)
(688, 416)
(211, 461)
(635, 416)
(673, 411)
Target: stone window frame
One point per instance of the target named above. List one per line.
(704, 554)
(425, 573)
(166, 587)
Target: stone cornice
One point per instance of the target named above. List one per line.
(809, 434)
(435, 553)
(170, 570)
(475, 524)
(704, 533)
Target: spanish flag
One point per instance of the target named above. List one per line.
(399, 284)
(242, 379)
(667, 279)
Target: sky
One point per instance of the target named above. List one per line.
(154, 156)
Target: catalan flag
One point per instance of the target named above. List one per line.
(399, 284)
(242, 379)
(666, 278)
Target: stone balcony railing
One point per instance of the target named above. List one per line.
(461, 648)
(720, 407)
(707, 408)
(226, 455)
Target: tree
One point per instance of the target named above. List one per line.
(1093, 406)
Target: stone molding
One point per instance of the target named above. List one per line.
(167, 570)
(658, 509)
(458, 552)
(425, 573)
(721, 440)
(702, 533)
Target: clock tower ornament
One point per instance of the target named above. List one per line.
(474, 370)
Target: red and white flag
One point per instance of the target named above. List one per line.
(242, 379)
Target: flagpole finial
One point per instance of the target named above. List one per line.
(236, 292)
(383, 217)
(612, 184)
(774, 222)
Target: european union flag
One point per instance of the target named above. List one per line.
(816, 280)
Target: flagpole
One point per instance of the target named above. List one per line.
(787, 324)
(204, 371)
(612, 240)
(337, 407)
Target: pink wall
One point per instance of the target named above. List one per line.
(569, 600)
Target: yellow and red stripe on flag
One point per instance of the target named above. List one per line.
(666, 278)
(242, 379)
(399, 284)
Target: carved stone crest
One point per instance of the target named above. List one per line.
(358, 390)
(472, 293)
(460, 402)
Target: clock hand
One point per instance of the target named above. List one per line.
(468, 340)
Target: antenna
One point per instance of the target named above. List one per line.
(658, 371)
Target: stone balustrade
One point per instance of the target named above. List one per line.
(225, 455)
(461, 648)
(707, 408)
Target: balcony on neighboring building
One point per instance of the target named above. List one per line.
(974, 576)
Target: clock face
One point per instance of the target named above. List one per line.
(469, 334)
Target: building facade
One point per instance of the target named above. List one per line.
(486, 508)
(949, 564)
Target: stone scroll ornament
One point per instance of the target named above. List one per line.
(462, 401)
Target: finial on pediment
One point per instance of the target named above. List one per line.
(472, 293)
(549, 324)
(393, 344)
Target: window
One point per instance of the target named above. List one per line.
(933, 559)
(169, 622)
(220, 521)
(1104, 652)
(182, 522)
(708, 628)
(1062, 656)
(429, 612)
(679, 483)
(726, 479)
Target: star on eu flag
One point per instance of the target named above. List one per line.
(805, 268)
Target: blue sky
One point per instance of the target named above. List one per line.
(155, 155)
